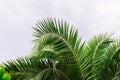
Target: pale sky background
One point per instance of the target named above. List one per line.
(18, 16)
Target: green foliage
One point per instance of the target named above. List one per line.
(34, 68)
(60, 54)
(4, 75)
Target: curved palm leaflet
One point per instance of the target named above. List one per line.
(60, 54)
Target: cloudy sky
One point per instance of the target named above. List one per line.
(18, 16)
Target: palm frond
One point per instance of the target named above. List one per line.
(95, 55)
(112, 63)
(59, 37)
(33, 68)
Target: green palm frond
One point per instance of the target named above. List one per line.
(35, 69)
(112, 64)
(96, 55)
(60, 38)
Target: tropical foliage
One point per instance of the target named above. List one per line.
(4, 75)
(60, 54)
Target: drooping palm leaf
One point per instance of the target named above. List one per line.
(34, 69)
(62, 39)
(112, 63)
(96, 55)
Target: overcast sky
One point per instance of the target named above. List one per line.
(18, 16)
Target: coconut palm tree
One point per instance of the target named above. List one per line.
(59, 54)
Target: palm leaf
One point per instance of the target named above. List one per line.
(95, 55)
(60, 38)
(35, 69)
(112, 63)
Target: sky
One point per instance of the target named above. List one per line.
(18, 16)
